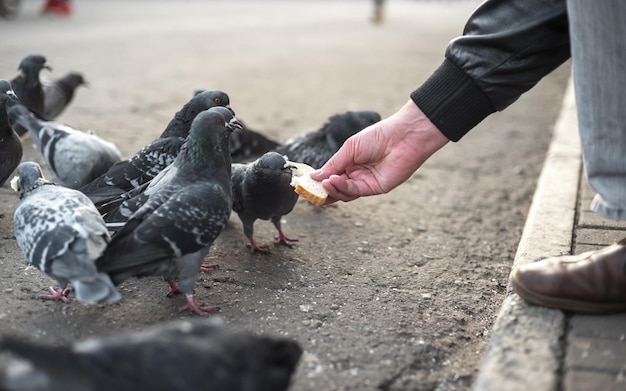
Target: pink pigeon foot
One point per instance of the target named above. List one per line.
(284, 240)
(56, 294)
(193, 305)
(254, 248)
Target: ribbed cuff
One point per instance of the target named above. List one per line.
(452, 101)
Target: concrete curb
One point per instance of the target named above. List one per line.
(525, 350)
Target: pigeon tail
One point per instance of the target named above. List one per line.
(96, 289)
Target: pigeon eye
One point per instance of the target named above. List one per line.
(217, 100)
(219, 121)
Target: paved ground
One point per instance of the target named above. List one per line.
(535, 348)
(397, 292)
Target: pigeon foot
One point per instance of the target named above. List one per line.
(195, 307)
(56, 294)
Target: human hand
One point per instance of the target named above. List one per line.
(382, 156)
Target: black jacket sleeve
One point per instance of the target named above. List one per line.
(507, 46)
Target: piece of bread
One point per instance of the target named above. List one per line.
(307, 188)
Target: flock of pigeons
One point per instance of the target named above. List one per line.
(101, 219)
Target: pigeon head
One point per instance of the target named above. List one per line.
(209, 136)
(32, 64)
(179, 125)
(75, 79)
(211, 98)
(229, 117)
(340, 127)
(29, 177)
(272, 165)
(6, 92)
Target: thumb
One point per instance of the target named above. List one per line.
(336, 165)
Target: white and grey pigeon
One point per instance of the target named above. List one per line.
(179, 217)
(154, 157)
(10, 144)
(262, 190)
(61, 233)
(73, 157)
(197, 354)
(27, 84)
(58, 93)
(316, 148)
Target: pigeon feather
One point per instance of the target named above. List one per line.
(27, 85)
(73, 157)
(180, 216)
(62, 234)
(59, 93)
(199, 354)
(154, 157)
(262, 190)
(316, 148)
(10, 145)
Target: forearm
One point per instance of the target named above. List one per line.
(506, 48)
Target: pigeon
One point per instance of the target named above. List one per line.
(196, 354)
(262, 190)
(59, 93)
(178, 217)
(10, 144)
(27, 85)
(316, 148)
(73, 157)
(247, 144)
(61, 233)
(154, 157)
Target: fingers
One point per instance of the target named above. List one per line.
(340, 188)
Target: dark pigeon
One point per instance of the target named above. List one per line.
(178, 217)
(73, 157)
(27, 85)
(61, 233)
(247, 144)
(154, 157)
(316, 148)
(198, 354)
(262, 190)
(59, 93)
(10, 144)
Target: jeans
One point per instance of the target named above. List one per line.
(598, 45)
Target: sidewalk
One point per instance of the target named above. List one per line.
(540, 349)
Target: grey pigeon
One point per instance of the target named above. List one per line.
(73, 157)
(59, 93)
(180, 215)
(61, 233)
(316, 148)
(154, 157)
(262, 190)
(27, 85)
(10, 144)
(198, 354)
(247, 144)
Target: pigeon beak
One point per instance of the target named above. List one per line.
(230, 109)
(288, 167)
(48, 67)
(234, 124)
(12, 95)
(14, 184)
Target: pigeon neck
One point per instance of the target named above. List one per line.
(36, 185)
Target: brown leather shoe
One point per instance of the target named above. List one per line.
(593, 282)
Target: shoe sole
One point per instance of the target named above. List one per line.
(566, 304)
